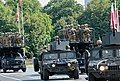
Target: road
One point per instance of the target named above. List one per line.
(30, 75)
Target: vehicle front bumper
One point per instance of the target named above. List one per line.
(61, 69)
(109, 74)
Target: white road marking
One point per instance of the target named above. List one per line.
(10, 77)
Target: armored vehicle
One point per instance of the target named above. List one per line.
(12, 53)
(12, 59)
(104, 63)
(77, 39)
(57, 62)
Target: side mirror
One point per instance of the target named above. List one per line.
(36, 64)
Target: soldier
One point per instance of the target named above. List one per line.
(86, 33)
(72, 34)
(44, 49)
(78, 34)
(81, 30)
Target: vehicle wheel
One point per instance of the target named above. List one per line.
(45, 75)
(76, 74)
(15, 70)
(71, 75)
(24, 69)
(102, 79)
(36, 65)
(91, 77)
(4, 70)
(41, 76)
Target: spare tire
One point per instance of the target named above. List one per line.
(36, 64)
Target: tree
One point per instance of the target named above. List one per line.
(37, 24)
(63, 12)
(38, 31)
(7, 20)
(97, 15)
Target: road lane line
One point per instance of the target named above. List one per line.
(10, 78)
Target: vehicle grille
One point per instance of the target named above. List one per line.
(59, 65)
(114, 68)
(15, 62)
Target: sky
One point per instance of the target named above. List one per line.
(44, 2)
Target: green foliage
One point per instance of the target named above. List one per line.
(97, 15)
(63, 12)
(7, 19)
(37, 24)
(38, 31)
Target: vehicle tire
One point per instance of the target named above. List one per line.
(36, 65)
(91, 77)
(45, 75)
(41, 76)
(76, 74)
(71, 75)
(15, 70)
(102, 79)
(24, 69)
(4, 70)
(0, 64)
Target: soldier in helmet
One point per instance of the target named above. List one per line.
(72, 34)
(86, 33)
(78, 33)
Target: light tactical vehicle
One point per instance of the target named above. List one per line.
(57, 62)
(104, 63)
(12, 52)
(12, 59)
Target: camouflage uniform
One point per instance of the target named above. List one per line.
(86, 33)
(72, 34)
(78, 37)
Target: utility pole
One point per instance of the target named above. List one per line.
(23, 26)
(18, 18)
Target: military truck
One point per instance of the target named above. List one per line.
(77, 39)
(57, 62)
(104, 63)
(12, 55)
(105, 54)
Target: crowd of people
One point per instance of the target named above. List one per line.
(81, 34)
(10, 39)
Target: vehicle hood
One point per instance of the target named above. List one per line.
(109, 62)
(14, 59)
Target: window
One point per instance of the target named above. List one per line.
(50, 56)
(67, 55)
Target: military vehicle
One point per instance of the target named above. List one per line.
(104, 63)
(57, 62)
(105, 54)
(78, 39)
(12, 55)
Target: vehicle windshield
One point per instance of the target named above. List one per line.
(13, 55)
(18, 55)
(105, 53)
(67, 55)
(50, 56)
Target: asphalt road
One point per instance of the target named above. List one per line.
(30, 75)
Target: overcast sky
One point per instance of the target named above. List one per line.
(44, 2)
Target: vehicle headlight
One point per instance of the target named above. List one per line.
(53, 65)
(69, 64)
(103, 68)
